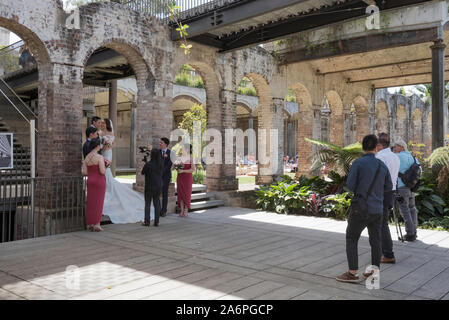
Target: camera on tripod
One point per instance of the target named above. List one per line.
(399, 198)
(146, 153)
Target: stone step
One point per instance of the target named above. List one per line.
(206, 204)
(196, 188)
(203, 196)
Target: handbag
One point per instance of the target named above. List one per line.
(359, 205)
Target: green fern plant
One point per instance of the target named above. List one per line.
(336, 158)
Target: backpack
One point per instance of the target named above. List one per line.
(411, 176)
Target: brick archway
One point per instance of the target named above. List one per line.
(382, 118)
(362, 117)
(305, 127)
(337, 128)
(149, 120)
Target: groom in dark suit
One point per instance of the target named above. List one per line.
(166, 173)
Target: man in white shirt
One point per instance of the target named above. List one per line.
(392, 162)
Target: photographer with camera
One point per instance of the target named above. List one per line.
(153, 185)
(392, 162)
(408, 182)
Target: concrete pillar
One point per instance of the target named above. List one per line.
(222, 177)
(438, 93)
(290, 138)
(133, 147)
(251, 141)
(271, 144)
(113, 118)
(59, 141)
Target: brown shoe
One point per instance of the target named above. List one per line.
(387, 260)
(348, 277)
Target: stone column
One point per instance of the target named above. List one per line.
(222, 177)
(306, 149)
(290, 139)
(113, 117)
(438, 93)
(271, 144)
(251, 142)
(132, 143)
(362, 126)
(60, 121)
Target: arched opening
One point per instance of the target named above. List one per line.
(362, 117)
(336, 121)
(118, 85)
(401, 123)
(382, 118)
(189, 106)
(23, 63)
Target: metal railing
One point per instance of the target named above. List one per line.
(35, 207)
(188, 8)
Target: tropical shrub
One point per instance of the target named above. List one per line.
(339, 159)
(337, 205)
(429, 204)
(284, 198)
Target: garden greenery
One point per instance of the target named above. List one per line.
(329, 198)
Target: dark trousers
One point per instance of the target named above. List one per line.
(387, 243)
(355, 227)
(152, 196)
(165, 186)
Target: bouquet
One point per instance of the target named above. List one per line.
(107, 163)
(178, 165)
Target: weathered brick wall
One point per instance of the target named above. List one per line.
(61, 55)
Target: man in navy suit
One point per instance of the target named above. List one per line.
(91, 133)
(166, 173)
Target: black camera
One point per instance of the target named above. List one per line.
(146, 153)
(399, 198)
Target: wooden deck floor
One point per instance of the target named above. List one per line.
(222, 253)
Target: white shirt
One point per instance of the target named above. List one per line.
(392, 162)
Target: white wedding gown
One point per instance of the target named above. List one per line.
(121, 203)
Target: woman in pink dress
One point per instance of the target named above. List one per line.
(184, 181)
(95, 169)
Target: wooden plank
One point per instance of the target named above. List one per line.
(436, 288)
(418, 277)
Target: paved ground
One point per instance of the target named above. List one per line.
(223, 253)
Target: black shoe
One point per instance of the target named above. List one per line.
(156, 224)
(409, 237)
(163, 214)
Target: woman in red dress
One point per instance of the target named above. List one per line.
(184, 181)
(95, 169)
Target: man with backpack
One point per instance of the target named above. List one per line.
(408, 183)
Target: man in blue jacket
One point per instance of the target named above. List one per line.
(407, 203)
(361, 176)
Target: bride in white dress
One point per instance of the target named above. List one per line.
(121, 203)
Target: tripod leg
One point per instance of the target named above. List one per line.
(396, 221)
